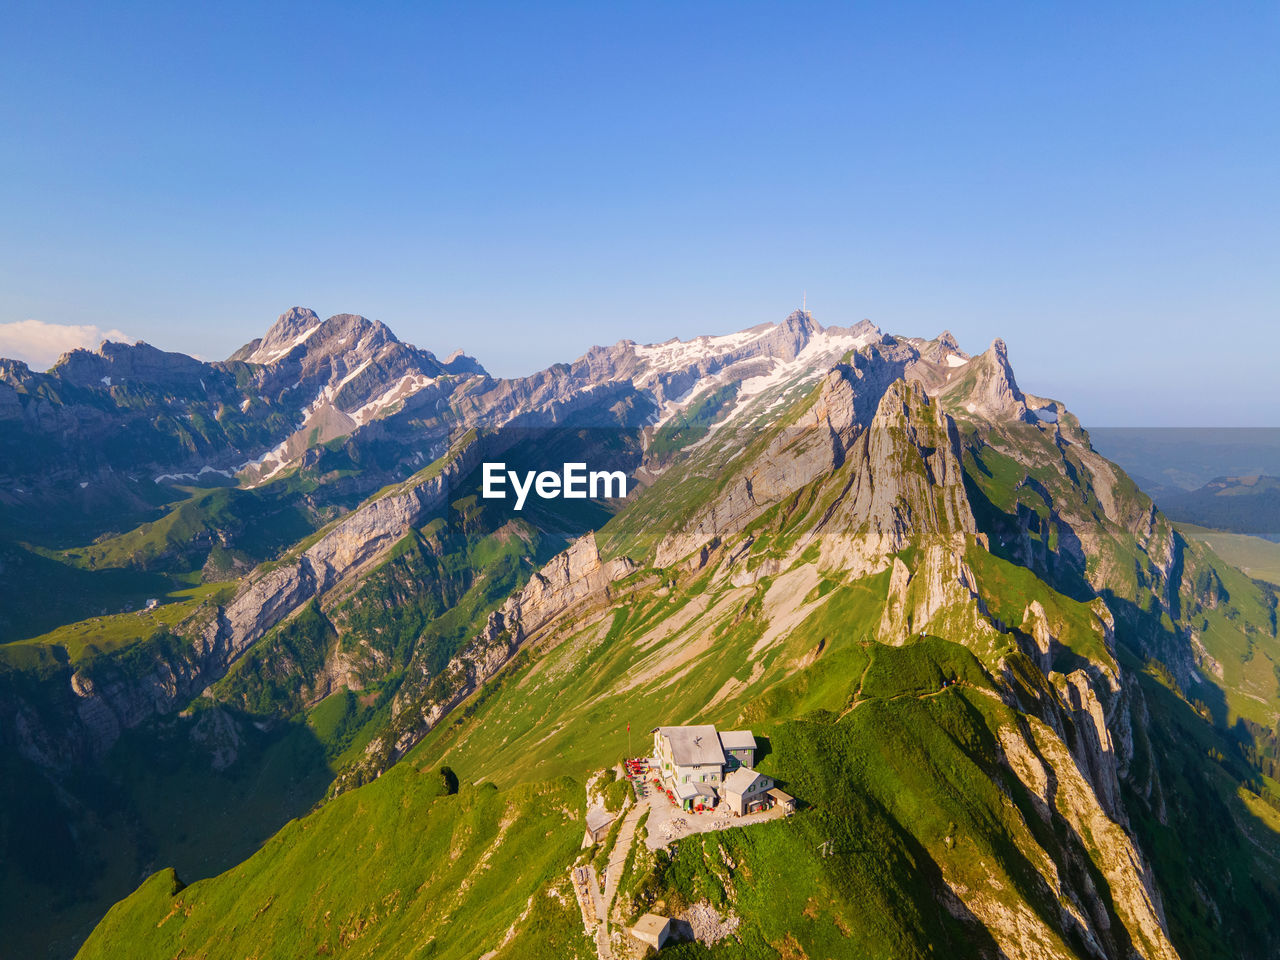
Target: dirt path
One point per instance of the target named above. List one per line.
(597, 901)
(905, 696)
(586, 884)
(618, 857)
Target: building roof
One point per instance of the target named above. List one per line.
(685, 791)
(737, 740)
(740, 780)
(692, 746)
(651, 924)
(598, 817)
(688, 791)
(781, 796)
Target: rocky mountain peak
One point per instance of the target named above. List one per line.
(292, 322)
(14, 372)
(989, 388)
(459, 364)
(790, 336)
(290, 329)
(801, 320)
(349, 334)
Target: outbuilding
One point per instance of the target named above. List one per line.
(785, 800)
(747, 791)
(598, 822)
(691, 796)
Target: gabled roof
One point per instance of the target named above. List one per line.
(740, 780)
(737, 740)
(694, 745)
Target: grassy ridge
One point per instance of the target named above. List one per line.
(904, 790)
(85, 639)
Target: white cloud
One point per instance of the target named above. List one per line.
(40, 343)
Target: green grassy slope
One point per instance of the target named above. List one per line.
(402, 868)
(1254, 556)
(905, 792)
(155, 800)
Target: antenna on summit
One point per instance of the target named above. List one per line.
(804, 302)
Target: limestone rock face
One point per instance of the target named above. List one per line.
(795, 458)
(940, 597)
(283, 335)
(112, 701)
(567, 579)
(1060, 788)
(990, 387)
(906, 475)
(356, 540)
(572, 581)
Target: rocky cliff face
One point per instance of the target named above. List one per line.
(574, 581)
(794, 458)
(989, 388)
(111, 699)
(905, 476)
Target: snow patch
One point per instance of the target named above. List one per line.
(351, 376)
(165, 477)
(955, 361)
(682, 354)
(403, 389)
(106, 381)
(823, 349)
(272, 356)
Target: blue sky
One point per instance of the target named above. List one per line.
(1098, 184)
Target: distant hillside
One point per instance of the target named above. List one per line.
(1238, 504)
(1187, 458)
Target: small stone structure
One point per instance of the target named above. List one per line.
(598, 822)
(652, 929)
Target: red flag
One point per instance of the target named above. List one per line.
(628, 728)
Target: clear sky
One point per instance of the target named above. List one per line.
(1098, 184)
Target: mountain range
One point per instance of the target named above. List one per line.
(278, 680)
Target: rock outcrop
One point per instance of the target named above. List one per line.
(109, 699)
(572, 581)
